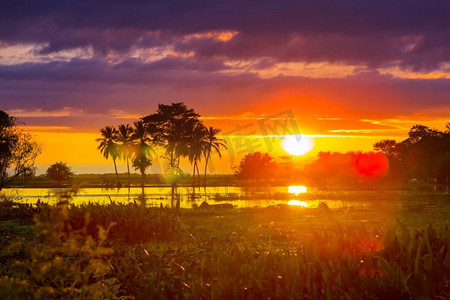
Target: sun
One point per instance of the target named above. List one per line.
(297, 144)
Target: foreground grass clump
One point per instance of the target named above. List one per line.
(130, 223)
(60, 262)
(9, 210)
(336, 264)
(276, 252)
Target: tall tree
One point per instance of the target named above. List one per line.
(195, 145)
(168, 128)
(123, 137)
(108, 146)
(18, 150)
(212, 144)
(141, 149)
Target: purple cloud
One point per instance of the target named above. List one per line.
(410, 33)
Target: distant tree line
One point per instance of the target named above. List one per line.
(334, 168)
(424, 155)
(261, 168)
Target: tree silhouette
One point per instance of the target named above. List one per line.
(123, 137)
(423, 155)
(59, 172)
(168, 127)
(174, 128)
(195, 145)
(387, 147)
(18, 150)
(141, 149)
(6, 121)
(109, 147)
(212, 144)
(417, 132)
(256, 167)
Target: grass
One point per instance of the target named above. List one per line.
(373, 251)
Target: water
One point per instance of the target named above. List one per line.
(242, 197)
(156, 195)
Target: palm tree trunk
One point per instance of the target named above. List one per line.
(172, 164)
(115, 169)
(206, 165)
(144, 200)
(193, 177)
(176, 178)
(128, 168)
(198, 175)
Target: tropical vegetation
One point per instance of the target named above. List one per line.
(108, 146)
(176, 130)
(133, 251)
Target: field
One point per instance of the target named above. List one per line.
(372, 246)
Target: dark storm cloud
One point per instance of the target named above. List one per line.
(411, 33)
(91, 86)
(194, 66)
(131, 71)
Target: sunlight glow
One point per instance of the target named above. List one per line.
(297, 144)
(298, 203)
(297, 189)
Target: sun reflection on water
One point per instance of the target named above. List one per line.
(297, 189)
(298, 203)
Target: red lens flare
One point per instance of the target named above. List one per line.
(371, 165)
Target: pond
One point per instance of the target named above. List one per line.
(238, 196)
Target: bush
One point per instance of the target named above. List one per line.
(64, 263)
(23, 213)
(131, 223)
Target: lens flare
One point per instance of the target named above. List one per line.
(371, 165)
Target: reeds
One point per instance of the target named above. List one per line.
(149, 253)
(131, 223)
(336, 264)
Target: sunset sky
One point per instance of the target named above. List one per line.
(343, 73)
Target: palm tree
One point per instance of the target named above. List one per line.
(195, 145)
(213, 144)
(141, 148)
(123, 137)
(168, 129)
(109, 147)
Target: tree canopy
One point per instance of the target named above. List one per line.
(59, 172)
(425, 154)
(18, 150)
(175, 129)
(257, 167)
